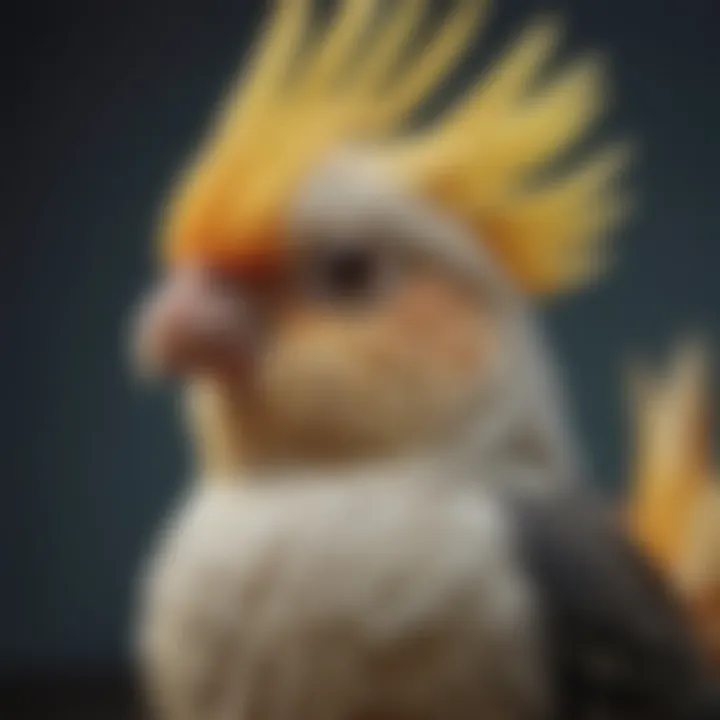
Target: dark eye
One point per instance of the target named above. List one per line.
(348, 273)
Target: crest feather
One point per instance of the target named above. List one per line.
(361, 79)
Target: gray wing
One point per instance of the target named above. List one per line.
(619, 647)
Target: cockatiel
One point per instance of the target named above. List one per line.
(674, 503)
(389, 524)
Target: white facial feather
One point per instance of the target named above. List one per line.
(521, 429)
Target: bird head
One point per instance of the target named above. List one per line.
(357, 289)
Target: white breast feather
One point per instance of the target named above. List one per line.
(316, 601)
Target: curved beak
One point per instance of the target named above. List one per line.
(193, 323)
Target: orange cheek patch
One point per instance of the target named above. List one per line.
(426, 303)
(465, 355)
(385, 353)
(430, 335)
(440, 322)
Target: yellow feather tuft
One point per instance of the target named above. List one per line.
(479, 161)
(335, 53)
(673, 503)
(433, 65)
(512, 75)
(673, 458)
(387, 50)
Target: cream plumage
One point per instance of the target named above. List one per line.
(356, 596)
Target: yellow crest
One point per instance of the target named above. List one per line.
(305, 94)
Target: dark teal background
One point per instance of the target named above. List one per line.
(104, 101)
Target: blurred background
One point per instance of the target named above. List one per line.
(103, 104)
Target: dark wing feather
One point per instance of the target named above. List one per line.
(619, 645)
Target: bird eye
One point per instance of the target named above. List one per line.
(348, 273)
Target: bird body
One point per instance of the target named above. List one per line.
(389, 521)
(399, 591)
